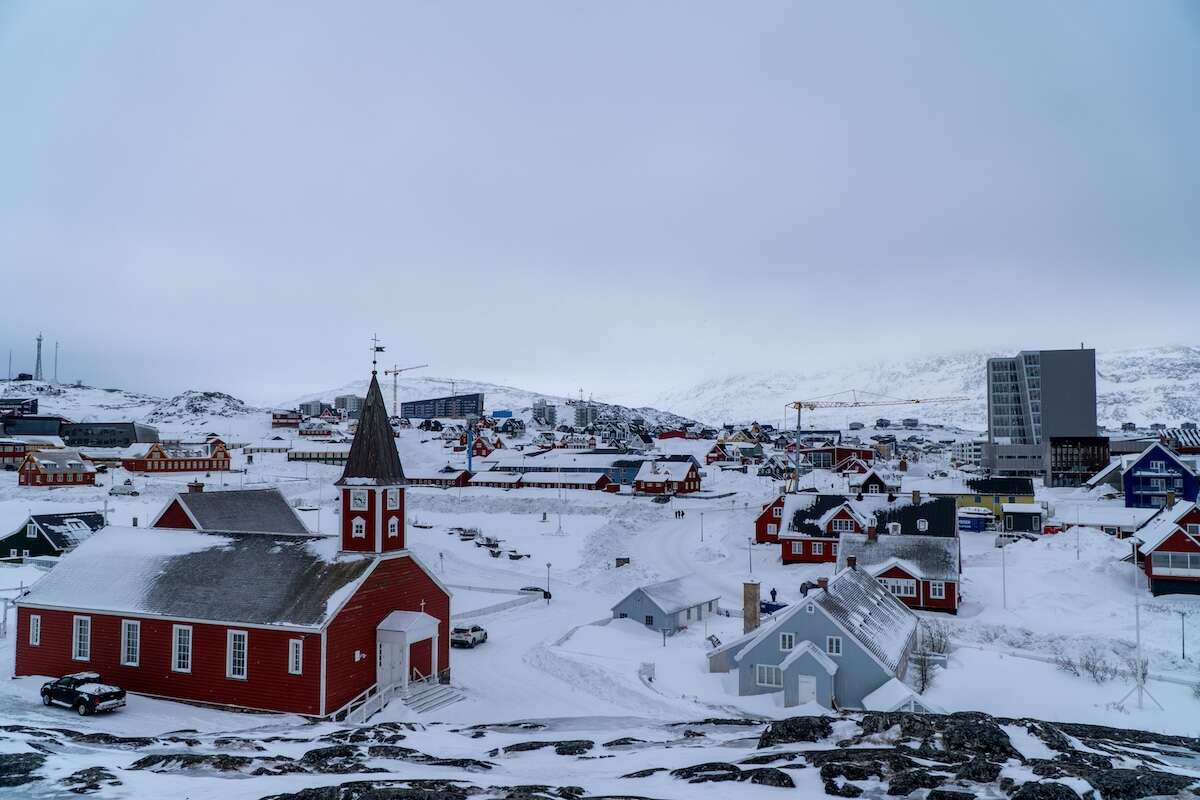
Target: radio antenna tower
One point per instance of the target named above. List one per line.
(37, 368)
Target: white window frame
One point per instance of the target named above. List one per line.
(922, 524)
(797, 548)
(393, 527)
(129, 626)
(393, 499)
(818, 548)
(833, 645)
(772, 528)
(177, 651)
(358, 528)
(81, 638)
(843, 526)
(768, 675)
(31, 531)
(231, 672)
(1193, 529)
(295, 656)
(810, 608)
(777, 512)
(937, 590)
(787, 641)
(35, 630)
(359, 500)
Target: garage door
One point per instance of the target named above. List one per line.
(807, 689)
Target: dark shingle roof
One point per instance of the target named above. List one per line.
(246, 578)
(247, 510)
(805, 519)
(941, 514)
(1001, 485)
(373, 459)
(67, 530)
(932, 558)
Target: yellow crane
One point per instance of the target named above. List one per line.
(855, 398)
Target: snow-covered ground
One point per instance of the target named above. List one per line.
(565, 659)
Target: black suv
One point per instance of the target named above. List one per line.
(84, 692)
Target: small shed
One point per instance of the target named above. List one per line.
(670, 605)
(1022, 517)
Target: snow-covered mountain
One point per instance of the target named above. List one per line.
(495, 397)
(1158, 384)
(201, 408)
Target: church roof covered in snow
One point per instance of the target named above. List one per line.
(254, 579)
(373, 459)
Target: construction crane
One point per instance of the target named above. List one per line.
(854, 398)
(395, 373)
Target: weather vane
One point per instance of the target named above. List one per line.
(376, 348)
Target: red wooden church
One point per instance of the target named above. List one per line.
(235, 616)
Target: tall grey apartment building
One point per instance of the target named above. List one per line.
(1033, 396)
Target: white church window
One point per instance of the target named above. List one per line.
(358, 528)
(393, 527)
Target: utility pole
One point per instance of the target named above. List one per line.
(1182, 635)
(1004, 574)
(56, 362)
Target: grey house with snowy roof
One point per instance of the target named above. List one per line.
(50, 534)
(835, 647)
(670, 605)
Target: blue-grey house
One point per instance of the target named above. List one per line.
(670, 605)
(836, 646)
(1154, 473)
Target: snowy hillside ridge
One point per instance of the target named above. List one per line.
(519, 401)
(1156, 384)
(83, 403)
(194, 405)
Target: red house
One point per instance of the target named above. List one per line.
(156, 457)
(801, 513)
(667, 477)
(53, 468)
(920, 571)
(281, 418)
(1170, 551)
(290, 622)
(813, 533)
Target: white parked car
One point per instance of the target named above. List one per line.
(468, 636)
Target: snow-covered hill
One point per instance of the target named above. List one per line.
(1159, 384)
(495, 397)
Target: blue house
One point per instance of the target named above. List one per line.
(835, 647)
(670, 605)
(1159, 470)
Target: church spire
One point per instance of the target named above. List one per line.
(373, 459)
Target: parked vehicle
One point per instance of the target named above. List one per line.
(84, 692)
(469, 636)
(125, 488)
(1005, 538)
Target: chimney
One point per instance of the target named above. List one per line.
(750, 606)
(822, 583)
(916, 497)
(852, 562)
(1170, 500)
(195, 487)
(873, 533)
(135, 522)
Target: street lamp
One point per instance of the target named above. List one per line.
(547, 583)
(701, 526)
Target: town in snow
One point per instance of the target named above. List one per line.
(599, 400)
(391, 591)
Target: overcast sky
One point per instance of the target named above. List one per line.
(626, 197)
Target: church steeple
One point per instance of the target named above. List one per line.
(372, 483)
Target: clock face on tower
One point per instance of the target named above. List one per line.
(358, 500)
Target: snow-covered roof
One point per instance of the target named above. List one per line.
(1021, 508)
(495, 476)
(1161, 528)
(62, 461)
(808, 648)
(578, 478)
(659, 471)
(893, 696)
(880, 622)
(933, 558)
(680, 593)
(1102, 514)
(244, 578)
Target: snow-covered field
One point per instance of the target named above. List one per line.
(565, 660)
